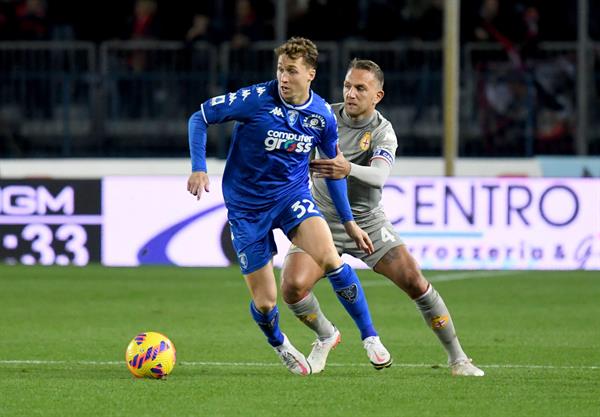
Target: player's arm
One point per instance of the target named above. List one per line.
(374, 175)
(232, 106)
(198, 180)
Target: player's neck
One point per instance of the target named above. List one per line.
(360, 120)
(298, 100)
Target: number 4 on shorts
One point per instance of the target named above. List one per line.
(386, 236)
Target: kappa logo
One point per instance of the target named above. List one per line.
(349, 294)
(276, 112)
(232, 97)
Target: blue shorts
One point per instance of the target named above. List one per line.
(252, 231)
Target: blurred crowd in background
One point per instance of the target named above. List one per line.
(243, 21)
(109, 96)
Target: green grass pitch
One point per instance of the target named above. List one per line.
(63, 334)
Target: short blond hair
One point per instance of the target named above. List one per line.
(297, 47)
(367, 65)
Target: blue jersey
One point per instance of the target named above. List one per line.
(271, 145)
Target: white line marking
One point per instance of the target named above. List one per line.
(276, 364)
(458, 276)
(452, 276)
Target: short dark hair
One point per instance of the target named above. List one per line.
(367, 65)
(297, 47)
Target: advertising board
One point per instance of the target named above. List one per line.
(447, 223)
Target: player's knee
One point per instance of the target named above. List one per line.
(264, 305)
(415, 283)
(293, 292)
(328, 260)
(410, 280)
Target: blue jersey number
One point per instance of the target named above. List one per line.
(303, 207)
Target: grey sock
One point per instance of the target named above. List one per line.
(436, 315)
(309, 312)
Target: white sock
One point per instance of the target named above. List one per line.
(436, 315)
(309, 312)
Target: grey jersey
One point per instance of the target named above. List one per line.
(360, 143)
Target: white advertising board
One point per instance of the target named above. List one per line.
(447, 223)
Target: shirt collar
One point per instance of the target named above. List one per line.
(358, 123)
(300, 106)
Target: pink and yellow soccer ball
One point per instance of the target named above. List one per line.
(150, 355)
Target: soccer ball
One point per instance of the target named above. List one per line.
(150, 355)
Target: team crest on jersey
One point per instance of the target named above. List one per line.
(365, 141)
(292, 116)
(349, 293)
(314, 121)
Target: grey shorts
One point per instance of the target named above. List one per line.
(380, 230)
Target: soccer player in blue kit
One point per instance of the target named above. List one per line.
(266, 186)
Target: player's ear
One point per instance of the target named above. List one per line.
(312, 74)
(378, 96)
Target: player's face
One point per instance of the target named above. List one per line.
(362, 92)
(294, 78)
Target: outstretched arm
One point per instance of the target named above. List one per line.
(374, 175)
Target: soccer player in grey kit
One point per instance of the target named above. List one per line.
(367, 145)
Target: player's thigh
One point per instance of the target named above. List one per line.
(299, 275)
(263, 288)
(314, 237)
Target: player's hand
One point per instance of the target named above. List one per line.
(360, 237)
(335, 168)
(198, 182)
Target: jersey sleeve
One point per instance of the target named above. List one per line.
(373, 175)
(384, 145)
(239, 106)
(329, 136)
(337, 188)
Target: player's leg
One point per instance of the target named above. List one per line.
(400, 267)
(310, 232)
(299, 275)
(263, 309)
(314, 237)
(255, 262)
